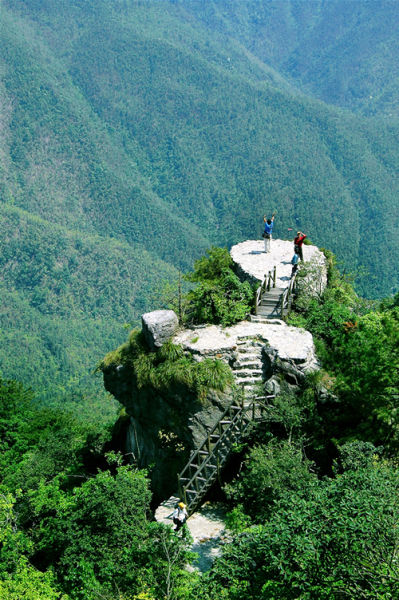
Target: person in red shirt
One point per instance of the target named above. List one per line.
(298, 241)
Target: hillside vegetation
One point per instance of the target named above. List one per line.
(313, 509)
(155, 129)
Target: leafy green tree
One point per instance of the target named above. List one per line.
(339, 540)
(219, 297)
(99, 538)
(19, 580)
(271, 472)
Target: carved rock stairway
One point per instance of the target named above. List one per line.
(248, 366)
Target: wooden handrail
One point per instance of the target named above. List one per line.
(198, 477)
(194, 456)
(268, 281)
(285, 299)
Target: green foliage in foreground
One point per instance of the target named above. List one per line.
(219, 297)
(73, 526)
(359, 347)
(323, 539)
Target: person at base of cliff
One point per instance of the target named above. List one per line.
(294, 262)
(298, 242)
(267, 234)
(180, 515)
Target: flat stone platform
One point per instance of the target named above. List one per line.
(291, 343)
(254, 262)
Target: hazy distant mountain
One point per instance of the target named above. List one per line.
(344, 52)
(139, 133)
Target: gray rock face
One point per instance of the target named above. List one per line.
(158, 327)
(164, 429)
(162, 432)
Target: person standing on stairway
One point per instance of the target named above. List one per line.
(294, 262)
(180, 515)
(267, 234)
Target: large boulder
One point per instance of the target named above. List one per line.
(158, 327)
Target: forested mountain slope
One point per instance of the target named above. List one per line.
(342, 51)
(152, 124)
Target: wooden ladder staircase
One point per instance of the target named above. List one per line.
(205, 463)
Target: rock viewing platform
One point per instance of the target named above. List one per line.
(252, 262)
(290, 343)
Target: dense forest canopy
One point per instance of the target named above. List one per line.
(136, 134)
(313, 507)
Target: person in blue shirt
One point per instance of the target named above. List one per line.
(267, 234)
(294, 262)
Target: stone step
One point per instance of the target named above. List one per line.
(260, 319)
(247, 365)
(269, 302)
(250, 357)
(251, 349)
(272, 295)
(248, 373)
(275, 293)
(247, 381)
(265, 311)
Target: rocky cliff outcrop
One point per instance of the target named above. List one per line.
(166, 426)
(251, 264)
(168, 418)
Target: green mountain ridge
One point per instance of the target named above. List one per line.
(160, 126)
(65, 296)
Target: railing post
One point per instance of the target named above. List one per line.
(208, 442)
(179, 301)
(268, 281)
(274, 276)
